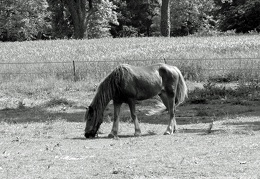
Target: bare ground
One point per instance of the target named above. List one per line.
(55, 147)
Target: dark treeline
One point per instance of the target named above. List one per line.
(58, 19)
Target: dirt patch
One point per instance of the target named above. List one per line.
(46, 141)
(57, 149)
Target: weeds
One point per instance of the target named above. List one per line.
(242, 94)
(58, 101)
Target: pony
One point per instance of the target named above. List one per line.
(127, 84)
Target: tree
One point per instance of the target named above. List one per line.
(135, 17)
(142, 14)
(23, 20)
(103, 18)
(165, 18)
(62, 26)
(80, 16)
(69, 19)
(239, 15)
(190, 16)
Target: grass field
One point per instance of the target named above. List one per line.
(128, 50)
(41, 128)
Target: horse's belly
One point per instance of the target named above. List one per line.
(143, 85)
(147, 91)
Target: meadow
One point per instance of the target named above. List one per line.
(95, 58)
(42, 110)
(41, 70)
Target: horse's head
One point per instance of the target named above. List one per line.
(93, 121)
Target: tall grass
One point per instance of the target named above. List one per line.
(38, 54)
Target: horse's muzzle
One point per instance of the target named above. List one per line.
(92, 133)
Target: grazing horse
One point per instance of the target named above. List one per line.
(127, 84)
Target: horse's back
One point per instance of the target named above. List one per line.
(141, 82)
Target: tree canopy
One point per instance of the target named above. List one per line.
(239, 15)
(53, 19)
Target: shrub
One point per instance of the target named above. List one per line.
(57, 102)
(193, 72)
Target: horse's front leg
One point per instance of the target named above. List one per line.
(131, 104)
(172, 125)
(114, 131)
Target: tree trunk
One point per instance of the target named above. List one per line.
(165, 18)
(77, 10)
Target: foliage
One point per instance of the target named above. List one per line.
(192, 71)
(57, 19)
(240, 15)
(100, 23)
(96, 22)
(135, 17)
(60, 19)
(190, 16)
(23, 20)
(142, 13)
(57, 101)
(211, 90)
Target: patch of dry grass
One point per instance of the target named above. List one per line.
(57, 149)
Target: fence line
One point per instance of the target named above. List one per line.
(74, 70)
(132, 60)
(211, 69)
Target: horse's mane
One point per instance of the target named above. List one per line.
(109, 87)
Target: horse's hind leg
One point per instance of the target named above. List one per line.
(114, 131)
(131, 104)
(164, 99)
(172, 125)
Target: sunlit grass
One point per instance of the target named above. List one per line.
(136, 51)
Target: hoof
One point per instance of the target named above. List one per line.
(112, 136)
(167, 133)
(138, 134)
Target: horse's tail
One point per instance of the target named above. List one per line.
(182, 90)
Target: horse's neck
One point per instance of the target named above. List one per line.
(101, 101)
(106, 91)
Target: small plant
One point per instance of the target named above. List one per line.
(249, 90)
(210, 91)
(58, 101)
(232, 76)
(193, 72)
(202, 113)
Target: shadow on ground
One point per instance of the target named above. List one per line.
(253, 125)
(186, 114)
(38, 114)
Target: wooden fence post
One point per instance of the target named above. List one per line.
(74, 71)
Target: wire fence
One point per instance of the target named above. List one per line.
(193, 69)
